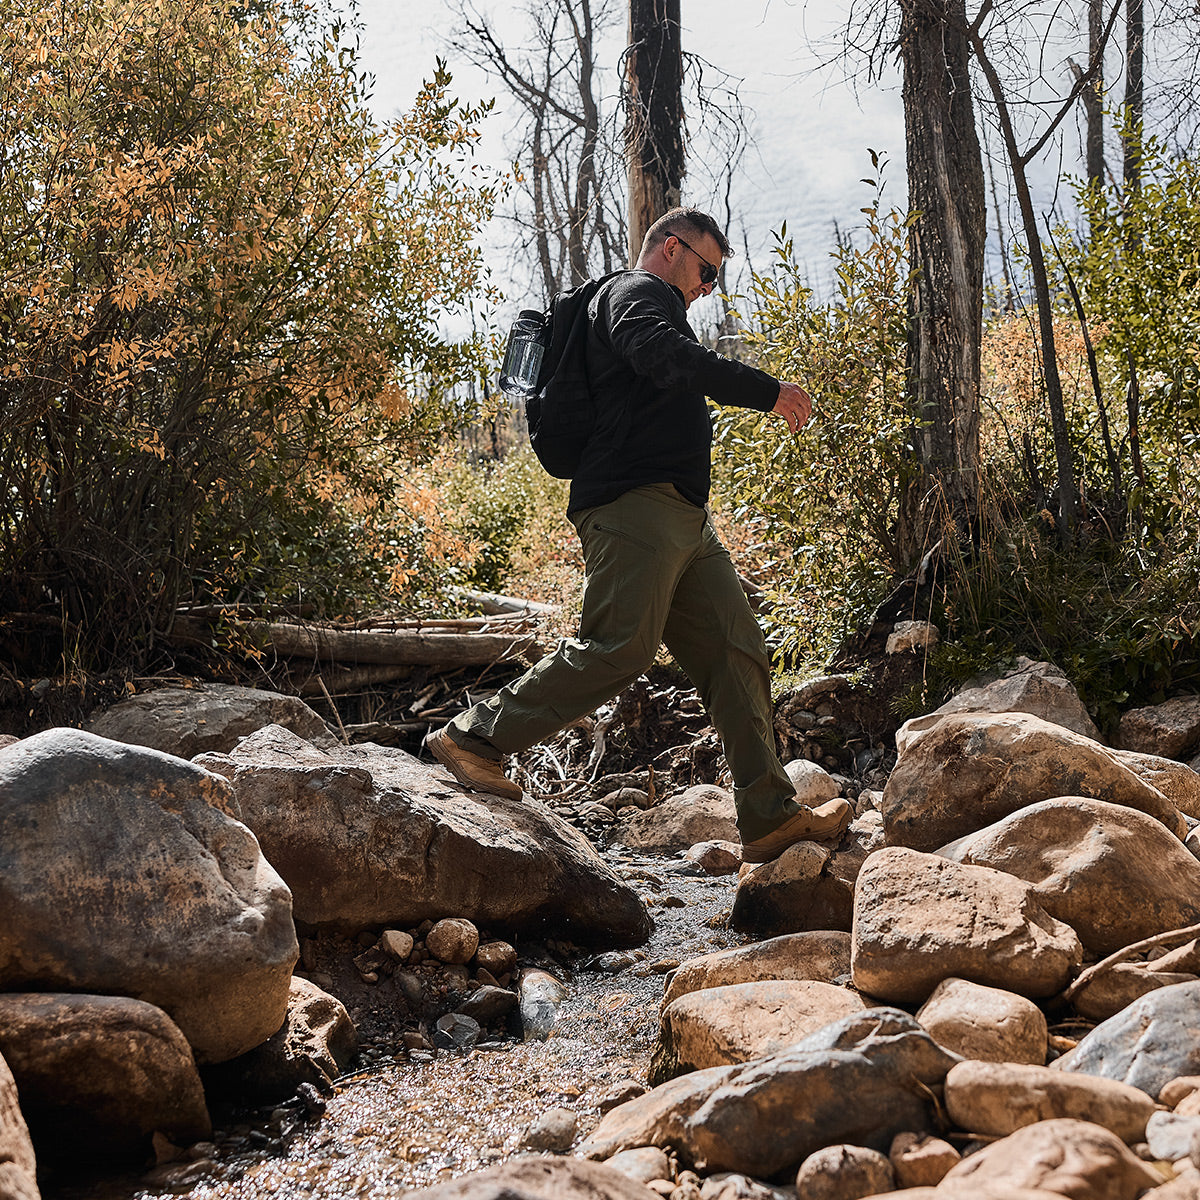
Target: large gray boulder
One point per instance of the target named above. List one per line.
(1112, 873)
(121, 872)
(186, 721)
(98, 1075)
(369, 835)
(861, 1080)
(969, 771)
(920, 919)
(18, 1167)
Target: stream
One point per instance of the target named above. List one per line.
(403, 1120)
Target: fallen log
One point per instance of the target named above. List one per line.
(339, 680)
(495, 604)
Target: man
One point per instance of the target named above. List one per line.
(655, 569)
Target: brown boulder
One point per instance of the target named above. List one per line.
(985, 1023)
(18, 1168)
(1169, 730)
(540, 1179)
(703, 813)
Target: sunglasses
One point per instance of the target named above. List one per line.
(708, 273)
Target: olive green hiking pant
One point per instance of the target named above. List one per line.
(656, 572)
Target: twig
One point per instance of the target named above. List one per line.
(1106, 964)
(337, 715)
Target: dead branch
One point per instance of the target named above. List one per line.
(1093, 972)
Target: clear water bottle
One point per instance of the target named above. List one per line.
(523, 354)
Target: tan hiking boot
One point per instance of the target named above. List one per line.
(821, 824)
(475, 773)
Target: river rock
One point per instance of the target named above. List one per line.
(919, 1160)
(1037, 688)
(704, 813)
(920, 919)
(99, 1075)
(1066, 1157)
(644, 1164)
(536, 1178)
(985, 1023)
(207, 717)
(1120, 985)
(999, 1098)
(368, 835)
(814, 785)
(716, 858)
(316, 1044)
(971, 770)
(18, 1167)
(1171, 1136)
(1113, 874)
(488, 1004)
(1177, 781)
(454, 941)
(553, 1130)
(741, 1021)
(121, 872)
(1169, 730)
(844, 1173)
(822, 955)
(1147, 1044)
(861, 1080)
(809, 886)
(496, 957)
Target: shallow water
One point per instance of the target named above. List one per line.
(404, 1124)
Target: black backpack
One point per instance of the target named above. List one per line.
(560, 412)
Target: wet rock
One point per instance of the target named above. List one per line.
(207, 717)
(1169, 730)
(397, 943)
(1147, 1044)
(540, 996)
(98, 1075)
(970, 771)
(497, 957)
(18, 1168)
(1066, 1157)
(821, 955)
(453, 940)
(703, 813)
(121, 872)
(368, 835)
(487, 1005)
(1037, 688)
(920, 919)
(1171, 1136)
(985, 1023)
(643, 1164)
(540, 1179)
(456, 1031)
(999, 1098)
(554, 1130)
(315, 1045)
(766, 1116)
(716, 858)
(1113, 874)
(921, 1161)
(742, 1021)
(844, 1173)
(814, 785)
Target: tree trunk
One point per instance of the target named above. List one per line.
(1093, 97)
(946, 186)
(1135, 30)
(653, 114)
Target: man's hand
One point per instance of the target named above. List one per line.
(794, 405)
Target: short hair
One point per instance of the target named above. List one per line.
(689, 220)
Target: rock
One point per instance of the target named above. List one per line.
(18, 1167)
(972, 770)
(627, 797)
(121, 872)
(497, 957)
(741, 1021)
(716, 858)
(1179, 1089)
(766, 1116)
(1070, 1158)
(453, 940)
(619, 1092)
(920, 919)
(643, 1164)
(819, 955)
(907, 636)
(554, 1130)
(1113, 874)
(918, 1160)
(540, 1179)
(456, 1031)
(209, 717)
(98, 1075)
(1147, 1044)
(368, 835)
(488, 1004)
(540, 996)
(703, 813)
(1171, 1136)
(316, 1044)
(1177, 781)
(844, 1173)
(999, 1098)
(1120, 985)
(729, 1185)
(1185, 1186)
(810, 886)
(1037, 688)
(397, 943)
(1169, 730)
(984, 1023)
(814, 785)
